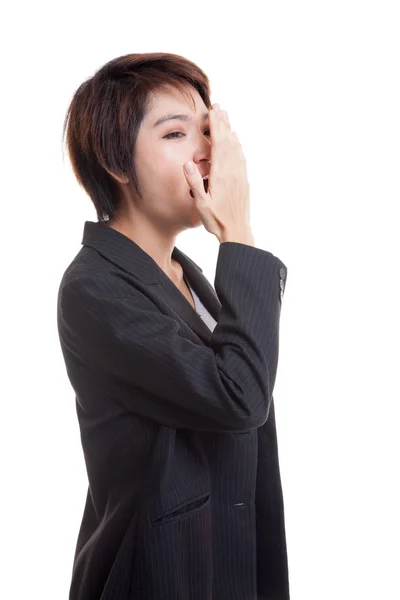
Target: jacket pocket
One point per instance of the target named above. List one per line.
(187, 510)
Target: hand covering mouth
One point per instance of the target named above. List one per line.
(205, 183)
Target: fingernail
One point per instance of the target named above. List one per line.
(189, 167)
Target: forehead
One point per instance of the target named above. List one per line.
(169, 100)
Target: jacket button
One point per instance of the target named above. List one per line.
(282, 286)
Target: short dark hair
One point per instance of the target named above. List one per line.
(105, 113)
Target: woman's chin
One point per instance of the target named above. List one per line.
(192, 217)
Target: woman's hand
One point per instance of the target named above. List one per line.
(225, 207)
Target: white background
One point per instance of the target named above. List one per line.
(312, 90)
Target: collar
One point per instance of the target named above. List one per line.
(126, 254)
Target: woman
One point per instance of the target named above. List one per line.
(173, 378)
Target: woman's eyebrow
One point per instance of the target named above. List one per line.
(170, 117)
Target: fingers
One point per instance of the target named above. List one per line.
(194, 179)
(220, 126)
(222, 113)
(225, 117)
(216, 123)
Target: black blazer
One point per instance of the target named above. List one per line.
(184, 500)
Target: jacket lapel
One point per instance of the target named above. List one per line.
(126, 254)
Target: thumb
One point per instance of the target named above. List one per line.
(201, 198)
(194, 179)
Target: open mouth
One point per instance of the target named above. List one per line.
(205, 183)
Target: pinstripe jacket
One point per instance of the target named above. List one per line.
(184, 498)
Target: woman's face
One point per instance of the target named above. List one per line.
(160, 152)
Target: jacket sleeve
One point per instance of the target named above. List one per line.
(164, 376)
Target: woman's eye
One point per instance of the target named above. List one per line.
(174, 133)
(169, 136)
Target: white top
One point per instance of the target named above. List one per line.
(201, 309)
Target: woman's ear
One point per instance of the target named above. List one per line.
(119, 178)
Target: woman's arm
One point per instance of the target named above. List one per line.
(166, 377)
